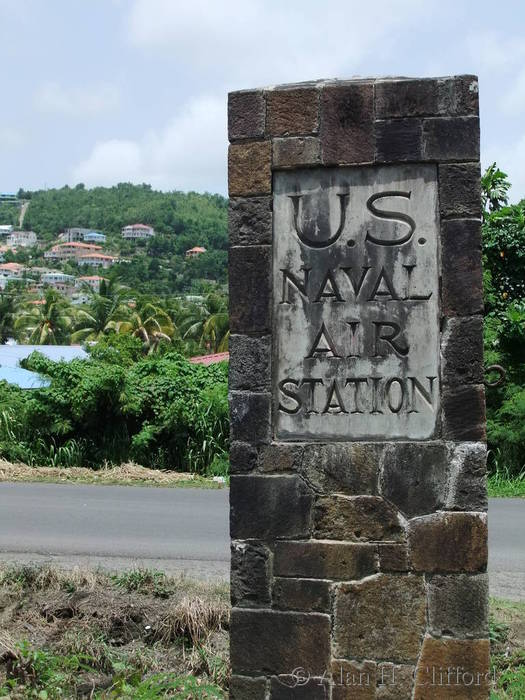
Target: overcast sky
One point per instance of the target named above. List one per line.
(104, 91)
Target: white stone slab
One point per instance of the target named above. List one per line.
(356, 303)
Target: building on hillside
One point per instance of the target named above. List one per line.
(5, 229)
(134, 231)
(210, 359)
(59, 281)
(11, 272)
(78, 235)
(97, 260)
(93, 281)
(21, 239)
(8, 197)
(67, 251)
(193, 252)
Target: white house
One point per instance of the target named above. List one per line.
(59, 280)
(93, 281)
(21, 239)
(5, 229)
(77, 235)
(66, 251)
(193, 252)
(97, 260)
(134, 231)
(11, 272)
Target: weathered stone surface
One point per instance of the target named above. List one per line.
(246, 688)
(292, 112)
(462, 351)
(458, 606)
(449, 139)
(459, 190)
(280, 458)
(249, 362)
(381, 617)
(357, 518)
(462, 281)
(347, 123)
(301, 594)
(250, 417)
(250, 221)
(393, 557)
(399, 140)
(427, 97)
(294, 688)
(293, 152)
(468, 661)
(264, 507)
(350, 468)
(353, 681)
(463, 413)
(448, 542)
(414, 477)
(250, 285)
(326, 560)
(246, 114)
(250, 574)
(332, 382)
(250, 169)
(278, 642)
(394, 681)
(468, 477)
(243, 457)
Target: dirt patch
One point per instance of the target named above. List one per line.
(84, 634)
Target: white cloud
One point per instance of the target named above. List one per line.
(189, 153)
(256, 41)
(86, 101)
(10, 138)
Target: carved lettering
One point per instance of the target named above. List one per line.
(316, 242)
(390, 216)
(387, 332)
(323, 345)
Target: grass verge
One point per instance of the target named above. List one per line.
(507, 638)
(84, 634)
(129, 474)
(501, 484)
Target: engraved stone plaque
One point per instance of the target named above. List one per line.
(356, 303)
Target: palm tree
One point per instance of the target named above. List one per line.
(208, 324)
(45, 324)
(494, 188)
(149, 323)
(99, 319)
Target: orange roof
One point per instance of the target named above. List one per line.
(210, 359)
(89, 246)
(196, 249)
(93, 278)
(11, 266)
(137, 226)
(98, 256)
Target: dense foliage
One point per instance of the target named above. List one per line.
(160, 411)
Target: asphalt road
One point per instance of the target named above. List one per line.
(178, 530)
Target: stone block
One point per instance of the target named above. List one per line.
(249, 362)
(250, 417)
(293, 112)
(250, 289)
(459, 190)
(457, 96)
(246, 688)
(326, 560)
(310, 595)
(462, 351)
(463, 413)
(349, 468)
(381, 617)
(265, 507)
(468, 661)
(250, 169)
(398, 140)
(296, 151)
(294, 688)
(279, 457)
(250, 574)
(458, 606)
(451, 138)
(357, 518)
(353, 681)
(250, 221)
(393, 557)
(347, 123)
(448, 542)
(243, 457)
(414, 477)
(277, 642)
(394, 681)
(462, 281)
(246, 114)
(468, 477)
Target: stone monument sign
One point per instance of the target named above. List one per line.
(358, 497)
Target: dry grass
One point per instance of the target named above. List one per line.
(125, 474)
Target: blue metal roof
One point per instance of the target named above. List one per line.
(10, 355)
(22, 378)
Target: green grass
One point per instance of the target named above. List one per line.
(507, 627)
(501, 484)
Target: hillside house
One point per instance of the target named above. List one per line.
(79, 235)
(193, 252)
(97, 260)
(137, 231)
(11, 272)
(21, 239)
(59, 281)
(93, 281)
(67, 251)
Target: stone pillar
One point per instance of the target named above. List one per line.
(358, 496)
